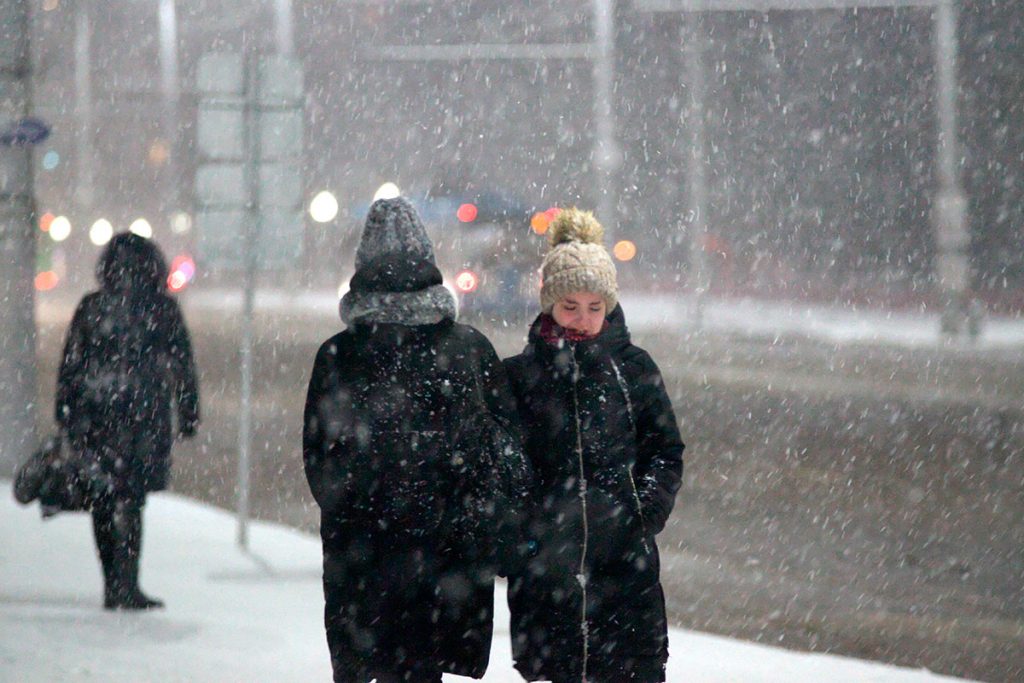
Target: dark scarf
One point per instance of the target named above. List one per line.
(555, 334)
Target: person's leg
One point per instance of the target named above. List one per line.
(128, 521)
(103, 532)
(117, 526)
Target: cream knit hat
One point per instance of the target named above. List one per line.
(577, 261)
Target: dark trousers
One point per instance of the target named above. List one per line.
(117, 527)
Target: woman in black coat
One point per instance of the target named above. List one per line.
(396, 407)
(127, 369)
(601, 435)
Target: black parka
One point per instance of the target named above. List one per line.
(380, 420)
(601, 435)
(127, 366)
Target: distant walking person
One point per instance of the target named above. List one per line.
(127, 367)
(601, 435)
(410, 448)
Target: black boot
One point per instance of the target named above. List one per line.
(118, 530)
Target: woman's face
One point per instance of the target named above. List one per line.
(581, 312)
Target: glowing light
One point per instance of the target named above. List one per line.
(100, 232)
(46, 280)
(324, 207)
(50, 160)
(466, 281)
(624, 250)
(181, 223)
(386, 191)
(183, 269)
(176, 281)
(141, 227)
(183, 263)
(45, 220)
(467, 213)
(539, 223)
(159, 152)
(60, 229)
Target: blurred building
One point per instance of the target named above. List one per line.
(819, 127)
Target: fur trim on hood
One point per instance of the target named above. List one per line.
(421, 307)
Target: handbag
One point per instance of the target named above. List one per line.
(61, 478)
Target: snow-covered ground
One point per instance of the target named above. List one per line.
(645, 311)
(252, 617)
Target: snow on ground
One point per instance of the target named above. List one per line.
(254, 617)
(645, 311)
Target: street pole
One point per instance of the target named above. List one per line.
(170, 95)
(17, 246)
(606, 154)
(251, 140)
(949, 213)
(697, 193)
(83, 109)
(284, 32)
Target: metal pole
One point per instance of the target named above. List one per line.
(284, 33)
(251, 171)
(606, 155)
(170, 94)
(949, 214)
(17, 247)
(693, 47)
(83, 108)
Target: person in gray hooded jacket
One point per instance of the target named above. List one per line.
(395, 405)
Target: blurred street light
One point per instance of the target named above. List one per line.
(60, 229)
(100, 232)
(386, 191)
(324, 207)
(141, 227)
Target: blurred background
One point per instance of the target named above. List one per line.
(817, 209)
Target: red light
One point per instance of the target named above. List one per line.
(466, 281)
(176, 281)
(46, 280)
(183, 269)
(45, 220)
(467, 213)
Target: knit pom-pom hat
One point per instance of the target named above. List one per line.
(577, 260)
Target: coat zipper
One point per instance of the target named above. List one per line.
(582, 576)
(632, 481)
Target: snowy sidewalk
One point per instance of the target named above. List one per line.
(238, 618)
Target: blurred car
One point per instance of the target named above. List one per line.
(487, 253)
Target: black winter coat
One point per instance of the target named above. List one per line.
(127, 366)
(601, 435)
(380, 420)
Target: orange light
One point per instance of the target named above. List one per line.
(540, 222)
(624, 250)
(466, 281)
(46, 280)
(45, 220)
(467, 213)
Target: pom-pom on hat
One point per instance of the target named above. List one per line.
(577, 261)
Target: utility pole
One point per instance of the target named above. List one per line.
(606, 154)
(949, 213)
(84, 162)
(17, 243)
(697, 192)
(171, 101)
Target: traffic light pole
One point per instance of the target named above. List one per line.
(17, 245)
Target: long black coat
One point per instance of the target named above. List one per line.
(601, 435)
(380, 420)
(127, 366)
